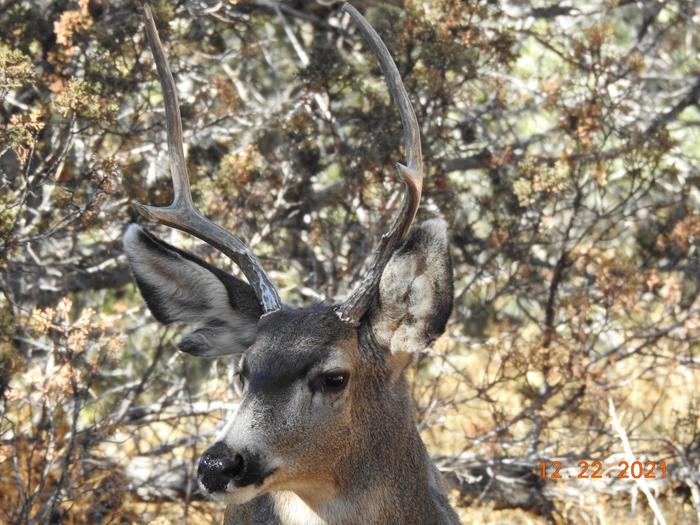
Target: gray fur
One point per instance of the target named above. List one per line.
(312, 456)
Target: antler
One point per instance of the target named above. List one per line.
(181, 213)
(411, 175)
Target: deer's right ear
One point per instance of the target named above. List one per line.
(179, 287)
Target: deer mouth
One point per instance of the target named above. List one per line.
(236, 493)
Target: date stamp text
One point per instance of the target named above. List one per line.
(595, 470)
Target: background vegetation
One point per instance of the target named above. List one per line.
(561, 145)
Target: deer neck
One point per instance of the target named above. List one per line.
(401, 494)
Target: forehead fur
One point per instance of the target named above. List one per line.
(291, 341)
(317, 325)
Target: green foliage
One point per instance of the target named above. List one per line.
(80, 97)
(16, 68)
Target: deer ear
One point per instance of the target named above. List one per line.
(179, 287)
(415, 294)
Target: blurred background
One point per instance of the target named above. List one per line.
(561, 144)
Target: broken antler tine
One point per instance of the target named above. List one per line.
(181, 213)
(413, 181)
(410, 174)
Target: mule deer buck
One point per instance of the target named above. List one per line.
(325, 430)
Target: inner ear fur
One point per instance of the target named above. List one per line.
(415, 294)
(180, 287)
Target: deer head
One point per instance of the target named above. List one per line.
(322, 387)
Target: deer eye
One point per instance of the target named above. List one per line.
(335, 381)
(330, 382)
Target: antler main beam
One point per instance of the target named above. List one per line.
(411, 175)
(181, 213)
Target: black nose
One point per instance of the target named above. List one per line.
(219, 465)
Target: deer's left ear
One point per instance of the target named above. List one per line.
(415, 294)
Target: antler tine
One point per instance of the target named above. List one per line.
(411, 175)
(181, 213)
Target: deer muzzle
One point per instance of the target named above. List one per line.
(222, 469)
